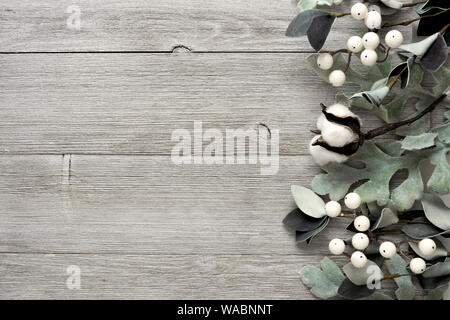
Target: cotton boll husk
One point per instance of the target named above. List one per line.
(341, 111)
(322, 156)
(337, 135)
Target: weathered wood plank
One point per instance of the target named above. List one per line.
(131, 103)
(39, 276)
(140, 204)
(158, 25)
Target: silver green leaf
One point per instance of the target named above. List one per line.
(323, 283)
(394, 4)
(359, 276)
(406, 289)
(422, 141)
(437, 270)
(387, 217)
(440, 251)
(419, 48)
(436, 211)
(374, 97)
(440, 179)
(379, 169)
(436, 294)
(308, 201)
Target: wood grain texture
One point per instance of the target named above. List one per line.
(131, 103)
(85, 132)
(157, 25)
(125, 204)
(38, 276)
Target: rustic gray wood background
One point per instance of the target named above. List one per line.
(86, 118)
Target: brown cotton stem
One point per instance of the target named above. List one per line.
(408, 22)
(412, 4)
(392, 126)
(397, 275)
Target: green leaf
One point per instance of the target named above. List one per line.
(440, 179)
(307, 4)
(421, 47)
(422, 141)
(436, 211)
(324, 283)
(436, 294)
(308, 202)
(387, 217)
(379, 169)
(359, 276)
(394, 4)
(440, 251)
(332, 271)
(437, 270)
(406, 289)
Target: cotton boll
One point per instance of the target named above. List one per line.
(323, 156)
(339, 110)
(337, 135)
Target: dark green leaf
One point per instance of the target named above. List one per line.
(299, 221)
(319, 29)
(351, 291)
(299, 26)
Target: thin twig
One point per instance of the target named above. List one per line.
(398, 275)
(348, 62)
(392, 126)
(340, 14)
(408, 22)
(386, 56)
(339, 51)
(394, 80)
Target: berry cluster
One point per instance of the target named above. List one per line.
(360, 241)
(366, 45)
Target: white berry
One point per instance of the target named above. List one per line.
(417, 265)
(388, 249)
(394, 39)
(358, 259)
(360, 241)
(336, 246)
(355, 44)
(361, 223)
(337, 78)
(359, 11)
(427, 247)
(368, 57)
(371, 40)
(325, 61)
(332, 209)
(352, 200)
(373, 20)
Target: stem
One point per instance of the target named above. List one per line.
(394, 80)
(408, 22)
(340, 14)
(343, 215)
(398, 275)
(392, 126)
(386, 56)
(348, 62)
(379, 233)
(338, 51)
(412, 4)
